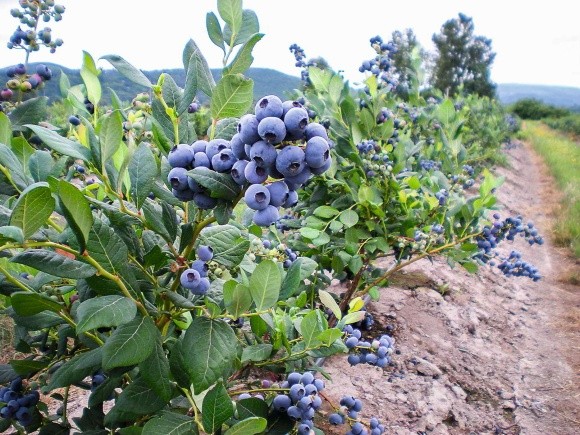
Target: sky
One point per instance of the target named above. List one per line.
(536, 42)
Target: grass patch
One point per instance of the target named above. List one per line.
(562, 155)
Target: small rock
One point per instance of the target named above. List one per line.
(426, 368)
(508, 404)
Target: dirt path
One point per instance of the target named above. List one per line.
(480, 354)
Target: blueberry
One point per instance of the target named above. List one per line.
(293, 378)
(282, 402)
(215, 146)
(314, 129)
(238, 147)
(180, 156)
(292, 199)
(296, 121)
(74, 120)
(183, 195)
(257, 197)
(190, 279)
(303, 429)
(317, 152)
(294, 413)
(200, 159)
(289, 104)
(16, 384)
(272, 130)
(290, 161)
(238, 172)
(223, 161)
(307, 378)
(347, 401)
(323, 168)
(199, 146)
(204, 252)
(204, 201)
(194, 186)
(278, 193)
(255, 174)
(357, 428)
(267, 216)
(244, 396)
(23, 416)
(202, 288)
(351, 342)
(201, 267)
(6, 413)
(336, 419)
(299, 179)
(269, 106)
(177, 178)
(248, 129)
(263, 153)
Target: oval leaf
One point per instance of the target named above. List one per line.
(130, 344)
(127, 70)
(28, 303)
(54, 264)
(232, 96)
(220, 185)
(265, 284)
(170, 423)
(61, 144)
(105, 311)
(249, 426)
(76, 210)
(32, 209)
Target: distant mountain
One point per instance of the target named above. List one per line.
(269, 81)
(266, 81)
(560, 96)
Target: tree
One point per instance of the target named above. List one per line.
(405, 44)
(462, 59)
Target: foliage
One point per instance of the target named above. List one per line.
(462, 60)
(103, 264)
(407, 50)
(567, 124)
(530, 108)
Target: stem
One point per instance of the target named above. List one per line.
(193, 406)
(64, 404)
(6, 173)
(13, 280)
(257, 390)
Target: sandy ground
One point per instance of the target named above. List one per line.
(490, 355)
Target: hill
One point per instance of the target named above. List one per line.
(266, 81)
(560, 96)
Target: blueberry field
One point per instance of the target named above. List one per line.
(340, 259)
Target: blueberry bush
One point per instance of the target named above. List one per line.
(174, 260)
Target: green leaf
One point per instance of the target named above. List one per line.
(265, 284)
(28, 303)
(226, 128)
(249, 426)
(250, 26)
(237, 298)
(220, 185)
(110, 135)
(209, 349)
(325, 212)
(244, 58)
(90, 76)
(445, 112)
(61, 144)
(349, 218)
(231, 13)
(319, 78)
(257, 352)
(127, 70)
(312, 324)
(135, 400)
(205, 81)
(251, 407)
(54, 264)
(170, 423)
(329, 302)
(190, 89)
(309, 233)
(153, 214)
(291, 281)
(76, 369)
(40, 165)
(10, 160)
(12, 233)
(216, 408)
(214, 30)
(232, 96)
(32, 209)
(470, 266)
(7, 373)
(130, 343)
(30, 111)
(142, 173)
(229, 246)
(76, 210)
(171, 92)
(27, 367)
(105, 311)
(354, 317)
(155, 371)
(106, 247)
(5, 129)
(329, 336)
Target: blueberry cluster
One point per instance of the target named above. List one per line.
(195, 277)
(380, 65)
(376, 353)
(508, 229)
(17, 405)
(277, 145)
(374, 160)
(300, 57)
(442, 196)
(30, 14)
(429, 165)
(267, 249)
(366, 323)
(20, 80)
(349, 409)
(302, 400)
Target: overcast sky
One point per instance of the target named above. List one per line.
(536, 42)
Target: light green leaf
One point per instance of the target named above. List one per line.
(104, 311)
(244, 58)
(237, 298)
(170, 423)
(250, 26)
(127, 70)
(76, 210)
(249, 426)
(231, 13)
(349, 218)
(232, 96)
(256, 352)
(5, 129)
(325, 212)
(329, 302)
(110, 135)
(311, 325)
(40, 165)
(217, 407)
(214, 30)
(142, 173)
(12, 233)
(265, 284)
(90, 76)
(61, 144)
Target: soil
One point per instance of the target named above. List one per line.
(479, 353)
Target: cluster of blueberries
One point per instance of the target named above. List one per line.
(30, 39)
(19, 80)
(299, 56)
(376, 353)
(429, 165)
(380, 66)
(350, 407)
(291, 255)
(302, 400)
(277, 142)
(442, 196)
(508, 229)
(195, 278)
(374, 160)
(18, 405)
